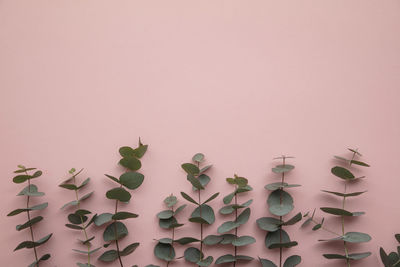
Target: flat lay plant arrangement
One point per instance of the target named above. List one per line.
(279, 201)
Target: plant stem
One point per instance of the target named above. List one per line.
(173, 235)
(115, 229)
(324, 228)
(29, 218)
(280, 217)
(82, 223)
(236, 230)
(201, 228)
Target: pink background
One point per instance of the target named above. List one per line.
(241, 81)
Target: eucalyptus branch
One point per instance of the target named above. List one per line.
(164, 250)
(393, 258)
(225, 238)
(78, 220)
(346, 237)
(29, 191)
(130, 179)
(203, 213)
(280, 204)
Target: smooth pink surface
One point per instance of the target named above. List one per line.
(241, 81)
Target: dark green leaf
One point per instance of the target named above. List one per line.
(279, 185)
(118, 193)
(203, 212)
(109, 256)
(269, 224)
(267, 263)
(115, 231)
(164, 252)
(190, 168)
(211, 198)
(165, 214)
(31, 190)
(186, 240)
(228, 199)
(292, 261)
(130, 162)
(129, 249)
(21, 178)
(29, 223)
(342, 173)
(243, 241)
(294, 219)
(344, 194)
(336, 211)
(113, 178)
(360, 163)
(212, 240)
(194, 181)
(188, 198)
(122, 215)
(131, 180)
(225, 259)
(193, 255)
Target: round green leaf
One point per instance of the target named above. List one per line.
(193, 255)
(131, 180)
(131, 163)
(212, 240)
(267, 263)
(164, 252)
(115, 231)
(118, 193)
(199, 157)
(203, 212)
(280, 203)
(103, 218)
(170, 201)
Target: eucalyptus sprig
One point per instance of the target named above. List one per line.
(240, 186)
(115, 229)
(30, 191)
(164, 250)
(280, 204)
(393, 258)
(348, 177)
(203, 213)
(79, 220)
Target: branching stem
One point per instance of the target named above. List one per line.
(29, 218)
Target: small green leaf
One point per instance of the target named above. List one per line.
(203, 212)
(228, 199)
(211, 198)
(171, 201)
(269, 224)
(279, 185)
(212, 240)
(294, 219)
(122, 215)
(188, 198)
(29, 223)
(225, 259)
(194, 181)
(113, 178)
(283, 168)
(267, 263)
(336, 211)
(360, 163)
(21, 178)
(199, 157)
(344, 194)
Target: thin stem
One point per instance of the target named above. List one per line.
(29, 218)
(201, 228)
(280, 218)
(115, 229)
(236, 229)
(173, 235)
(82, 222)
(324, 228)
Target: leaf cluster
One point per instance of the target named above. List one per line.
(30, 191)
(393, 258)
(280, 204)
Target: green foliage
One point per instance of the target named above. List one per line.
(345, 173)
(393, 258)
(78, 220)
(203, 213)
(30, 191)
(240, 186)
(280, 204)
(115, 229)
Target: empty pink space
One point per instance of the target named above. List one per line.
(240, 81)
